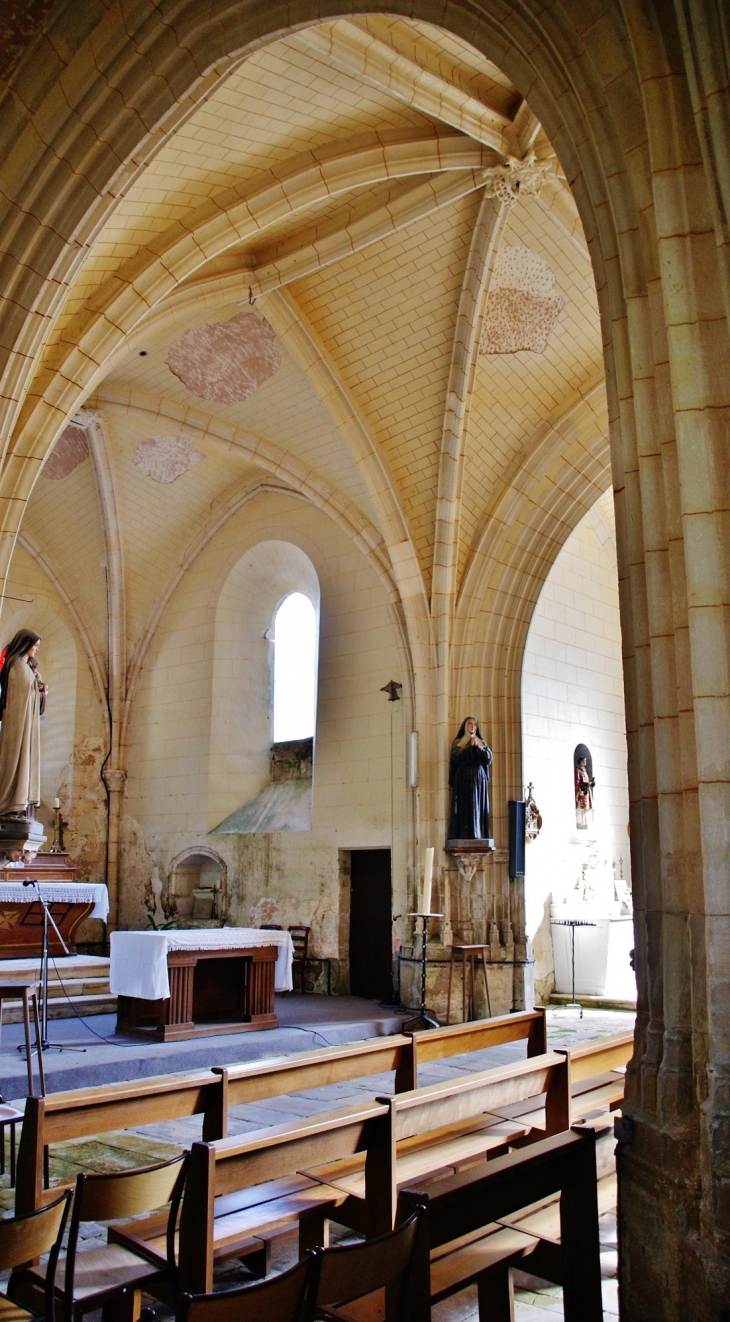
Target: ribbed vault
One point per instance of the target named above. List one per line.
(145, 200)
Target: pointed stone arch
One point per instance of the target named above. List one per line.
(606, 82)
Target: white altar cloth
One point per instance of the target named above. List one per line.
(139, 959)
(59, 892)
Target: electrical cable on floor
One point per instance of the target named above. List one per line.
(133, 1046)
(312, 1031)
(108, 1040)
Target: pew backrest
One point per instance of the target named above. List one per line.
(83, 1112)
(458, 1039)
(460, 1206)
(282, 1075)
(231, 1165)
(600, 1055)
(441, 1104)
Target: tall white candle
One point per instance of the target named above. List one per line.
(427, 879)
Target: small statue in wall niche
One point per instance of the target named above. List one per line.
(471, 759)
(584, 786)
(533, 816)
(22, 703)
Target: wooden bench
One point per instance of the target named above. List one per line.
(348, 1165)
(240, 1189)
(83, 1112)
(482, 1222)
(597, 1073)
(459, 1039)
(596, 1082)
(401, 1053)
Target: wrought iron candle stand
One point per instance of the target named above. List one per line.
(424, 1018)
(572, 923)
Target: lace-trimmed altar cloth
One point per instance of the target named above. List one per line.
(139, 959)
(59, 892)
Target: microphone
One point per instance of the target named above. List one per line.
(30, 883)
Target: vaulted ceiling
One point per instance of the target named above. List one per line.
(356, 271)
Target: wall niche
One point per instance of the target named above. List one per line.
(198, 889)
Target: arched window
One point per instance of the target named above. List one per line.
(295, 668)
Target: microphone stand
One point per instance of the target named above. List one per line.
(45, 1045)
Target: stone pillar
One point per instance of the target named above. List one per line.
(115, 780)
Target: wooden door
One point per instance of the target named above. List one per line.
(371, 950)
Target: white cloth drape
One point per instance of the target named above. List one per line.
(59, 892)
(139, 959)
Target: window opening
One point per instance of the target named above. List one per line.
(295, 668)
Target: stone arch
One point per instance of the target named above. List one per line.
(531, 522)
(241, 728)
(198, 868)
(596, 77)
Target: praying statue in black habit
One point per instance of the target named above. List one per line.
(471, 759)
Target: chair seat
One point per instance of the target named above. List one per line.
(101, 1270)
(9, 1114)
(371, 1308)
(12, 1312)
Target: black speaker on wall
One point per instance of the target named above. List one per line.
(516, 837)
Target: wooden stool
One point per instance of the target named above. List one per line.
(26, 991)
(469, 955)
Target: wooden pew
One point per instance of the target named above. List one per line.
(282, 1075)
(476, 1227)
(238, 1188)
(597, 1076)
(348, 1165)
(85, 1111)
(401, 1053)
(458, 1039)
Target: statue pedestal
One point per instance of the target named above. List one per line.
(20, 838)
(468, 854)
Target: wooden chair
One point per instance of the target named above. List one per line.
(285, 1298)
(25, 1237)
(300, 940)
(365, 1271)
(27, 992)
(119, 1271)
(9, 1116)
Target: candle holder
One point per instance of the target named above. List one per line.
(424, 1018)
(59, 824)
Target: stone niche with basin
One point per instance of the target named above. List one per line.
(198, 887)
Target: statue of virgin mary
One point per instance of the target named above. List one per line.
(471, 759)
(22, 700)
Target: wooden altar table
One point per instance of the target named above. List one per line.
(69, 901)
(181, 984)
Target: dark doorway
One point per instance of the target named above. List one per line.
(371, 951)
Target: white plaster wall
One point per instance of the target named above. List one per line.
(572, 692)
(287, 876)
